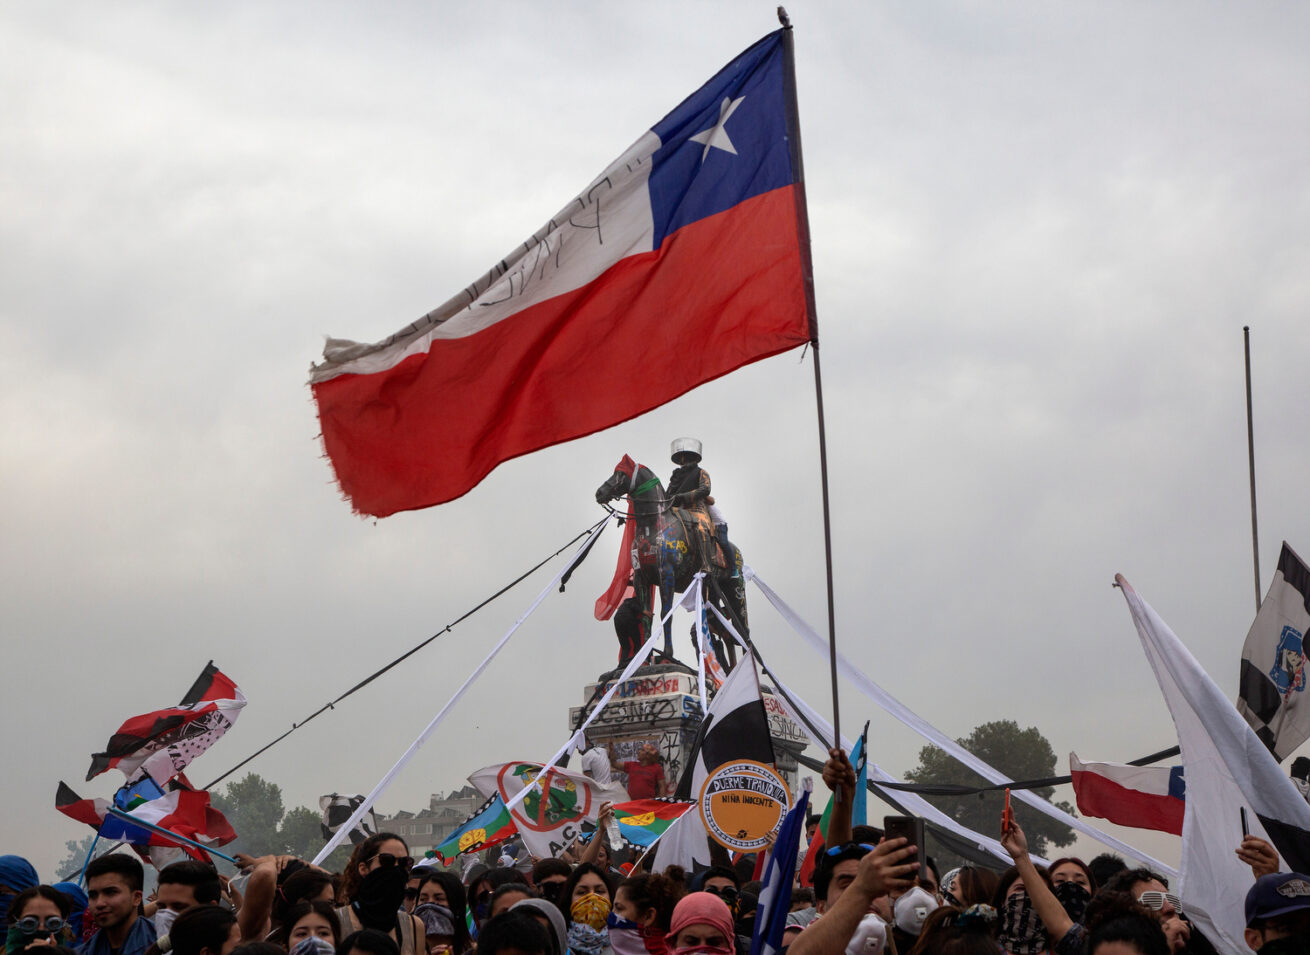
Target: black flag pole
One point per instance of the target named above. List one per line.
(807, 267)
(1250, 456)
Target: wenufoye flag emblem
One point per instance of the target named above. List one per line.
(686, 258)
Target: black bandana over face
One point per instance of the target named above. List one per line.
(1074, 898)
(379, 896)
(1022, 932)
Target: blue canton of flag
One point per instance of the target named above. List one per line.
(723, 144)
(775, 897)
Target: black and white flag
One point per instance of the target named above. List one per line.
(337, 810)
(736, 726)
(1272, 687)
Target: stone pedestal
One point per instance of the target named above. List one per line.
(661, 705)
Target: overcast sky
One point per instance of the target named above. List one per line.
(1038, 230)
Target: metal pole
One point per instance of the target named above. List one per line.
(1250, 454)
(803, 228)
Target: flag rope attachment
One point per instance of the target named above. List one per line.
(647, 648)
(181, 840)
(413, 650)
(346, 828)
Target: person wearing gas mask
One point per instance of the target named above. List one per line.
(374, 883)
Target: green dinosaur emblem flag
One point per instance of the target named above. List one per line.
(553, 812)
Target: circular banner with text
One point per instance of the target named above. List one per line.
(742, 802)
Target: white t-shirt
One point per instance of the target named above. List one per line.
(596, 764)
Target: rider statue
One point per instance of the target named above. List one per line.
(689, 490)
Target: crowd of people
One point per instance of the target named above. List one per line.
(869, 894)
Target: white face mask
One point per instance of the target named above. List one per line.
(912, 909)
(164, 920)
(870, 937)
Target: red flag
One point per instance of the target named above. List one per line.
(686, 259)
(164, 742)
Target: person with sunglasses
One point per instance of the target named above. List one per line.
(38, 917)
(1151, 891)
(374, 884)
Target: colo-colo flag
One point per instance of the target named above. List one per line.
(685, 259)
(1271, 693)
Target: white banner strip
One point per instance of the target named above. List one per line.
(806, 717)
(929, 732)
(700, 649)
(345, 830)
(656, 633)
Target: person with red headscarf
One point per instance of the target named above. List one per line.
(701, 923)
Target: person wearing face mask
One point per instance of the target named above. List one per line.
(38, 918)
(1033, 917)
(643, 913)
(445, 893)
(701, 925)
(375, 881)
(909, 911)
(16, 874)
(182, 885)
(549, 876)
(586, 902)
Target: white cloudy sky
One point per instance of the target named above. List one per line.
(1038, 230)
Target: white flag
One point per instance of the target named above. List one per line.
(1228, 771)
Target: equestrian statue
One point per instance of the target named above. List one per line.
(668, 538)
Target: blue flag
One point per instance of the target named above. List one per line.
(860, 760)
(775, 897)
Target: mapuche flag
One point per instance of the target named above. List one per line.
(687, 258)
(642, 821)
(163, 743)
(1271, 690)
(489, 826)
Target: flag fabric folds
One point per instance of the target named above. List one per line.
(182, 810)
(642, 821)
(490, 825)
(736, 726)
(780, 871)
(684, 260)
(1271, 691)
(337, 810)
(547, 824)
(164, 742)
(1230, 769)
(1144, 797)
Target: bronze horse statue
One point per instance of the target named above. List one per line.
(666, 555)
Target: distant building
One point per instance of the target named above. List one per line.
(428, 828)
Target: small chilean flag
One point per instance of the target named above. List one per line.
(1144, 797)
(687, 258)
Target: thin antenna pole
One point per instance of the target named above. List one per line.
(1250, 454)
(807, 264)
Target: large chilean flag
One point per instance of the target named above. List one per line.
(684, 260)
